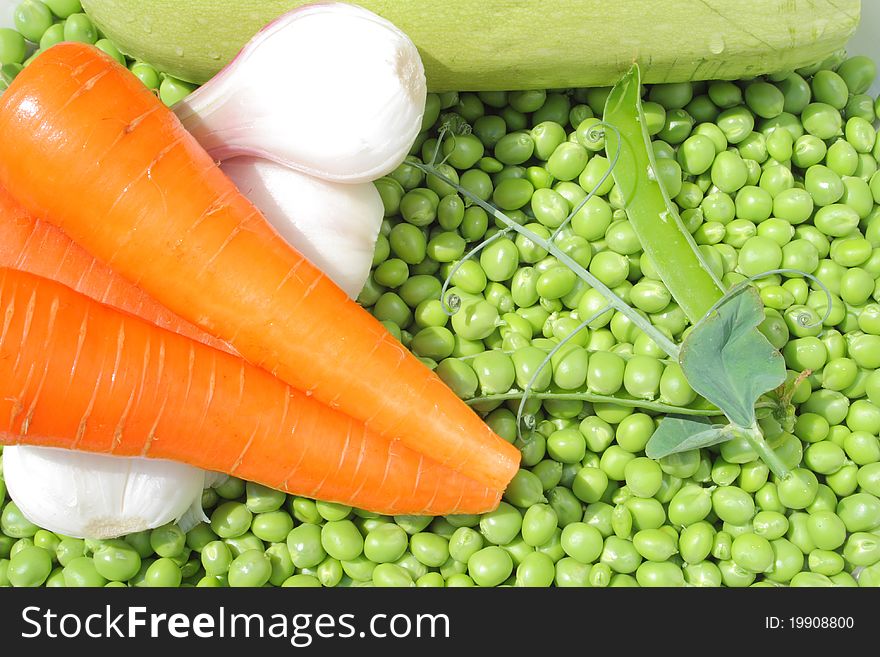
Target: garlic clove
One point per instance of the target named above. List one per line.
(334, 225)
(329, 89)
(98, 496)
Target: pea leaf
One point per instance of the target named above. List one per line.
(728, 361)
(680, 433)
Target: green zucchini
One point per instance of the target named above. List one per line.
(515, 44)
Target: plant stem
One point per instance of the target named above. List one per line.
(600, 399)
(756, 440)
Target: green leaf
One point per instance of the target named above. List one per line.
(728, 361)
(677, 433)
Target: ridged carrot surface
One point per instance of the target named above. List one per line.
(87, 147)
(78, 374)
(28, 244)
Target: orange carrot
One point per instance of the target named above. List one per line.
(77, 374)
(86, 146)
(42, 249)
(32, 245)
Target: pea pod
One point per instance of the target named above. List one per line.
(651, 213)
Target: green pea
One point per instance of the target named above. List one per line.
(29, 567)
(251, 568)
(539, 525)
(859, 512)
(527, 364)
(696, 542)
(690, 505)
(822, 120)
(613, 462)
(593, 219)
(677, 127)
(642, 377)
(647, 513)
(430, 549)
(824, 457)
(535, 570)
(681, 464)
(704, 574)
(463, 151)
(43, 538)
(341, 540)
(168, 540)
(501, 526)
(825, 562)
(605, 373)
(463, 543)
(524, 489)
(736, 123)
(696, 154)
(432, 580)
(14, 524)
(555, 283)
(32, 18)
(788, 560)
(828, 87)
(70, 548)
(862, 549)
(862, 349)
(13, 49)
(216, 557)
(733, 505)
(843, 482)
(764, 99)
(643, 476)
(359, 569)
(655, 116)
(733, 575)
(81, 572)
(329, 572)
(571, 573)
(655, 544)
(546, 136)
(272, 526)
(869, 478)
(857, 73)
(490, 566)
(596, 176)
(665, 574)
(231, 519)
(620, 555)
(724, 93)
(500, 259)
(117, 561)
(752, 552)
(512, 193)
(515, 147)
(567, 161)
(729, 172)
(171, 90)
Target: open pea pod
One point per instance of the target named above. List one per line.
(652, 214)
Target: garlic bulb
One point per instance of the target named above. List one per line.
(329, 89)
(334, 225)
(98, 496)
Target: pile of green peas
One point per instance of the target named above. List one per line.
(42, 24)
(773, 172)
